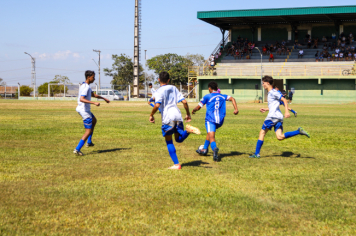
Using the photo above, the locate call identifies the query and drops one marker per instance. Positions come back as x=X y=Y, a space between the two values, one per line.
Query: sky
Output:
x=61 y=35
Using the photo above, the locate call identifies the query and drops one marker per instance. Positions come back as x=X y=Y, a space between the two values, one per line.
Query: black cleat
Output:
x=216 y=155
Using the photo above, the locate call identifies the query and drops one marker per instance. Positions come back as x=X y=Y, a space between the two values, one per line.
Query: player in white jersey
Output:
x=83 y=108
x=274 y=117
x=167 y=97
x=152 y=99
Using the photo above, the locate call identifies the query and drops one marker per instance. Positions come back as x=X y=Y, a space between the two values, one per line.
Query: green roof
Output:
x=278 y=12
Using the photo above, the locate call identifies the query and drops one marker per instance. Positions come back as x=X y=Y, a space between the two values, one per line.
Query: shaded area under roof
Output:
x=226 y=19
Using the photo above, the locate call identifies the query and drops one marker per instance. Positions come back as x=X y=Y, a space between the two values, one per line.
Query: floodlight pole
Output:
x=98 y=51
x=33 y=73
x=261 y=73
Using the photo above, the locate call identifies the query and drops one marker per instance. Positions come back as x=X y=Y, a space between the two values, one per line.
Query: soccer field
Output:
x=300 y=186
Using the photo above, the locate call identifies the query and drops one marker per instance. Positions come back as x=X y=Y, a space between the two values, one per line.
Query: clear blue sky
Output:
x=62 y=34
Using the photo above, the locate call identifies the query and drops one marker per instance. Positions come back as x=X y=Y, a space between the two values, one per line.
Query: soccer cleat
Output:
x=175 y=167
x=216 y=155
x=303 y=132
x=202 y=152
x=255 y=156
x=192 y=129
x=78 y=153
x=90 y=145
x=295 y=114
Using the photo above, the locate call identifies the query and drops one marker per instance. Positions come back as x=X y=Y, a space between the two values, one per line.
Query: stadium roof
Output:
x=225 y=19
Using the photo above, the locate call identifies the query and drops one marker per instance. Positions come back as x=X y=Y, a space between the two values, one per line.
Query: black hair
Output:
x=89 y=73
x=164 y=77
x=268 y=79
x=213 y=85
x=150 y=84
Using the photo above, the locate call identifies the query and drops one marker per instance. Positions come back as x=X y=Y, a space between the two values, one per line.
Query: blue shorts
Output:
x=211 y=127
x=173 y=127
x=151 y=100
x=268 y=124
x=88 y=122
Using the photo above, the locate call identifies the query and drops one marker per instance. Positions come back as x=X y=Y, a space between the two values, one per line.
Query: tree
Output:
x=54 y=89
x=122 y=71
x=25 y=90
x=2 y=82
x=175 y=65
x=195 y=59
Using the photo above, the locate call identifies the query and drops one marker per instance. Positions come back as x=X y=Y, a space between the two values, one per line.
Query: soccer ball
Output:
x=201 y=147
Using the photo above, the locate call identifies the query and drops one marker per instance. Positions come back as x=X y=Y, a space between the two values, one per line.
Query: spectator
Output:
x=287 y=50
x=290 y=96
x=336 y=56
x=349 y=56
x=351 y=38
x=333 y=46
x=309 y=43
x=212 y=62
x=341 y=56
x=343 y=44
x=337 y=50
x=354 y=56
x=307 y=37
x=283 y=50
x=264 y=50
x=271 y=57
x=317 y=56
x=237 y=54
x=324 y=39
x=328 y=56
x=322 y=55
x=339 y=42
x=316 y=43
x=279 y=51
x=333 y=57
x=301 y=53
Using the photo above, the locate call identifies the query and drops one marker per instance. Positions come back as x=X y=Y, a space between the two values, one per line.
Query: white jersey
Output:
x=84 y=91
x=274 y=114
x=169 y=96
x=153 y=91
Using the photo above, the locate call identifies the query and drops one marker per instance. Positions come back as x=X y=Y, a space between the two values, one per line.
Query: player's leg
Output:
x=293 y=111
x=180 y=134
x=213 y=145
x=89 y=141
x=172 y=153
x=267 y=125
x=88 y=130
x=280 y=136
x=205 y=150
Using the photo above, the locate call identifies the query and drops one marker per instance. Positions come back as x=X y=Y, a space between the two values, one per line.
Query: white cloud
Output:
x=60 y=55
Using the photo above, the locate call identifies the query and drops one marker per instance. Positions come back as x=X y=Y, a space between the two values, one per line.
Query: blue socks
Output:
x=292 y=111
x=206 y=144
x=89 y=138
x=152 y=105
x=80 y=145
x=213 y=145
x=172 y=152
x=291 y=134
x=258 y=147
x=182 y=137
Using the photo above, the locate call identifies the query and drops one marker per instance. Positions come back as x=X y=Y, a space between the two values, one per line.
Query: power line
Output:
x=16 y=69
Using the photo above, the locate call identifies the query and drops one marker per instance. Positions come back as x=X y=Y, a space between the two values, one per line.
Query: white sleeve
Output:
x=179 y=96
x=158 y=97
x=84 y=92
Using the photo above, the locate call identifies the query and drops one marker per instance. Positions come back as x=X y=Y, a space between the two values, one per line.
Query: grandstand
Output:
x=324 y=28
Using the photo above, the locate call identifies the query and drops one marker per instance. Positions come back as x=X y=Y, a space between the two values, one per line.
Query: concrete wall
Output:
x=313 y=91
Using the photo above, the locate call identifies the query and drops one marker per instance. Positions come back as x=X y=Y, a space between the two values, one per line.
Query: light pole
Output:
x=98 y=51
x=33 y=73
x=145 y=80
x=261 y=73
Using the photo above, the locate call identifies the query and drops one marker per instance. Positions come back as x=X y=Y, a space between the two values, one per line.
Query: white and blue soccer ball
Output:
x=201 y=147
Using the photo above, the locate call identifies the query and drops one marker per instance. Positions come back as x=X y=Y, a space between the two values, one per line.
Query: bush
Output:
x=25 y=90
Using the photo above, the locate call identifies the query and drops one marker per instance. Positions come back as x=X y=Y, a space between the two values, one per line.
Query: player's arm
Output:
x=84 y=100
x=99 y=97
x=263 y=110
x=186 y=107
x=200 y=105
x=231 y=99
x=286 y=111
x=196 y=109
x=154 y=110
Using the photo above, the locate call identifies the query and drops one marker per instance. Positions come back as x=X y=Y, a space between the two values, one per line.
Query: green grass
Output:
x=121 y=186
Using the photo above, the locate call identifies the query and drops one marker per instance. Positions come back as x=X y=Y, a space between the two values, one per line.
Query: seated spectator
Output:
x=328 y=56
x=354 y=56
x=309 y=43
x=283 y=43
x=352 y=48
x=329 y=46
x=287 y=50
x=295 y=45
x=321 y=57
x=336 y=56
x=342 y=50
x=341 y=56
x=315 y=43
x=343 y=44
x=324 y=39
x=271 y=48
x=301 y=53
x=333 y=47
x=283 y=50
x=339 y=42
x=337 y=50
x=279 y=51
x=264 y=50
x=325 y=47
x=271 y=57
x=237 y=54
x=351 y=38
x=349 y=56
x=317 y=56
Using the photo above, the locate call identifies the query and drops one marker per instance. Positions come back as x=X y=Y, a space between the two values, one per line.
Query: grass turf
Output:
x=300 y=186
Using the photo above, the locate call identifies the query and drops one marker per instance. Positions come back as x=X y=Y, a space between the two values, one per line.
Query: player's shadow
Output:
x=292 y=155
x=196 y=164
x=223 y=155
x=110 y=150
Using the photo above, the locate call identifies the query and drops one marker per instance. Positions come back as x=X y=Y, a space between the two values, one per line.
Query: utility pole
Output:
x=137 y=44
x=145 y=78
x=98 y=51
x=33 y=74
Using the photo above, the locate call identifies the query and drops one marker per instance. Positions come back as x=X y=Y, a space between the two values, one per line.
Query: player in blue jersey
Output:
x=167 y=98
x=274 y=117
x=83 y=108
x=282 y=103
x=214 y=119
x=152 y=99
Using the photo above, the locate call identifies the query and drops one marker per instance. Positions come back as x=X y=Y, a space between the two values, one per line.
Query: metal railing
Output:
x=224 y=42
